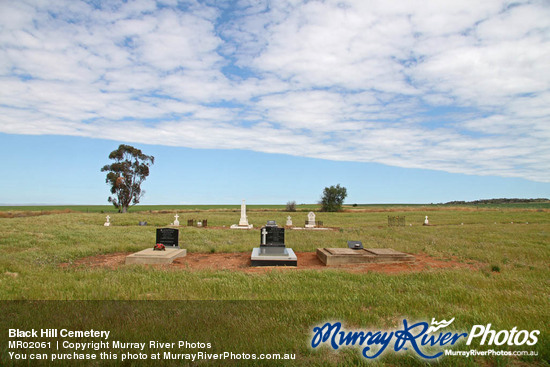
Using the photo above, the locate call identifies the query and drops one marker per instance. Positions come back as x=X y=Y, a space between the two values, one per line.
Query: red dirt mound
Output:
x=240 y=261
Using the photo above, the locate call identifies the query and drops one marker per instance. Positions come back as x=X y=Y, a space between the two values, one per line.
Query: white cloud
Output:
x=459 y=86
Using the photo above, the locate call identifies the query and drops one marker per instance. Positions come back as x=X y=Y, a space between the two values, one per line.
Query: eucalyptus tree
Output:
x=126 y=174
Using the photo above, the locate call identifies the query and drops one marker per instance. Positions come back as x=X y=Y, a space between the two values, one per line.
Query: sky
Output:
x=271 y=101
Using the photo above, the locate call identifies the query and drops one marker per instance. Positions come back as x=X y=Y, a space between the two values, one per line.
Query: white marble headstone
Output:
x=288 y=221
x=310 y=220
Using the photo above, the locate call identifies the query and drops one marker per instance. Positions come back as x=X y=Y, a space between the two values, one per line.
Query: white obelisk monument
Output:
x=243 y=222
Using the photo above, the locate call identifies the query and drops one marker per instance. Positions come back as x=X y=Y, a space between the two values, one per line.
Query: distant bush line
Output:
x=499 y=201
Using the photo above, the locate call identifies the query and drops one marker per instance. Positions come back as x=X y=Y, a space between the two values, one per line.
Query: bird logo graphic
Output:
x=439 y=325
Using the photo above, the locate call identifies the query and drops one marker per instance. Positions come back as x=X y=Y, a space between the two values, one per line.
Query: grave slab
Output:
x=344 y=256
x=150 y=256
x=387 y=252
x=286 y=257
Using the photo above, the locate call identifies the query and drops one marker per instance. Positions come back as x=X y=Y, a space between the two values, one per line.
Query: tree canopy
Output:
x=126 y=174
x=333 y=198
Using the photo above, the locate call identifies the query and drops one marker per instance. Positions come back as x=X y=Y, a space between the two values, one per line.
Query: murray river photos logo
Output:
x=427 y=340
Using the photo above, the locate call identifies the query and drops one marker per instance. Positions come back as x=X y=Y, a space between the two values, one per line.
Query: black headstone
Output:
x=355 y=245
x=168 y=237
x=274 y=236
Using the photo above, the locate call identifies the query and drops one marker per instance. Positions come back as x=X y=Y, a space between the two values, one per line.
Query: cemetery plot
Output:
x=344 y=256
x=240 y=261
x=197 y=223
x=272 y=250
x=150 y=256
x=164 y=252
x=310 y=223
x=396 y=221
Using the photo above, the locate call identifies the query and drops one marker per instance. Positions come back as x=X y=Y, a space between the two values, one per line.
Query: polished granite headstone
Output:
x=272 y=250
x=169 y=237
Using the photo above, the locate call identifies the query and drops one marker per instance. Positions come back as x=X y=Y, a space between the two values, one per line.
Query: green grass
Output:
x=276 y=310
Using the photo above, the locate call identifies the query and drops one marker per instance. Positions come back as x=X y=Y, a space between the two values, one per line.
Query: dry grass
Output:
x=31 y=213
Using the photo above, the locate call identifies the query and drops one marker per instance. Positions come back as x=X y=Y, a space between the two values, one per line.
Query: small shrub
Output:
x=495 y=268
x=290 y=206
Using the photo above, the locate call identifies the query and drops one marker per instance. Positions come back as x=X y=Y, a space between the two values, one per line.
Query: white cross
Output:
x=108 y=219
x=264 y=233
x=176 y=216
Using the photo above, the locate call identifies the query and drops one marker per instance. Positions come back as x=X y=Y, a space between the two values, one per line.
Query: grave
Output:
x=150 y=256
x=352 y=255
x=107 y=223
x=310 y=223
x=197 y=223
x=396 y=221
x=288 y=221
x=176 y=221
x=243 y=222
x=272 y=250
x=169 y=237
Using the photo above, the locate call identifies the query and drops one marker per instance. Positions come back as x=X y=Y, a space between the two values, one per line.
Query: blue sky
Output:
x=402 y=101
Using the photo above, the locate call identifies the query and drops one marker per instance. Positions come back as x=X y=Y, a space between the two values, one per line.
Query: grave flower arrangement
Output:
x=159 y=247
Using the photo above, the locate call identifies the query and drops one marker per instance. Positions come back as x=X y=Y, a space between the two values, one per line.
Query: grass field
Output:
x=146 y=208
x=511 y=287
x=41 y=209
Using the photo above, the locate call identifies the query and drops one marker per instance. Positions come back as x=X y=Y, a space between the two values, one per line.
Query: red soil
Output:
x=240 y=261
